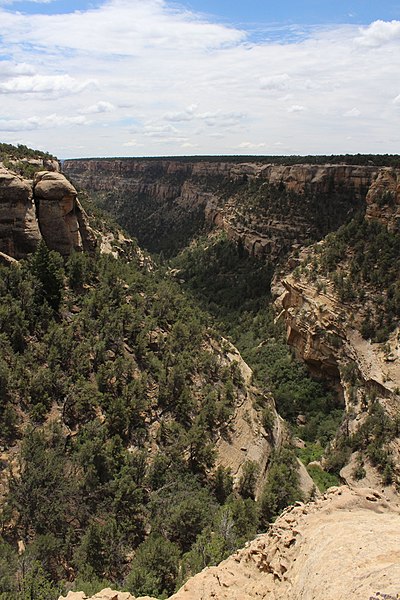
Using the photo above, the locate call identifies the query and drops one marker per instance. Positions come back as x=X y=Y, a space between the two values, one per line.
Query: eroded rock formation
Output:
x=19 y=227
x=62 y=221
x=324 y=332
x=46 y=208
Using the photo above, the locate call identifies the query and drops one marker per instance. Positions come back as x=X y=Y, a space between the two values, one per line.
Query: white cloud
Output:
x=44 y=84
x=8 y=2
x=275 y=82
x=250 y=145
x=32 y=123
x=132 y=144
x=166 y=76
x=379 y=33
x=354 y=112
x=295 y=108
x=9 y=68
x=99 y=107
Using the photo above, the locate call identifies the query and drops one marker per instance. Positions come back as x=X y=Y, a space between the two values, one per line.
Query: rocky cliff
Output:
x=46 y=208
x=268 y=208
x=343 y=546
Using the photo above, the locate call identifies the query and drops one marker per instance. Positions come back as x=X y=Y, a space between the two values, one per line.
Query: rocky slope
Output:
x=340 y=308
x=46 y=208
x=343 y=546
x=268 y=208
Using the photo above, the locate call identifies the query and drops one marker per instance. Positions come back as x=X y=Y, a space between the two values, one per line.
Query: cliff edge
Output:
x=342 y=546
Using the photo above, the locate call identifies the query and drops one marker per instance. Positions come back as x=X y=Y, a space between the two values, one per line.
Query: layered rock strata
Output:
x=324 y=332
x=47 y=208
x=268 y=208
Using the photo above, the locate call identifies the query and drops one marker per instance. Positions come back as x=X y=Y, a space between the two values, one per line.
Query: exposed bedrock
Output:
x=46 y=208
x=268 y=208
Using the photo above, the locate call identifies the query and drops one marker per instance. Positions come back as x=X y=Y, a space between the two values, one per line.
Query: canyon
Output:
x=278 y=213
x=268 y=208
x=166 y=392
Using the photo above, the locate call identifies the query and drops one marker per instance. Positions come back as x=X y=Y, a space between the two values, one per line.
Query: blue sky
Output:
x=159 y=77
x=251 y=12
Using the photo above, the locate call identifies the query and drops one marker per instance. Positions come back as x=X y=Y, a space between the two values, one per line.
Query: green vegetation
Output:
x=21 y=151
x=112 y=398
x=234 y=289
x=378 y=160
x=321 y=478
x=16 y=159
x=363 y=260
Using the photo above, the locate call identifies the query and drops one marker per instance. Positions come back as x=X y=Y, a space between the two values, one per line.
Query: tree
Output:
x=47 y=266
x=154 y=568
x=282 y=486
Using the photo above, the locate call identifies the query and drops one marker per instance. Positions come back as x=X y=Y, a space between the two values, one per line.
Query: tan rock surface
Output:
x=342 y=547
x=165 y=195
x=63 y=222
x=105 y=594
x=246 y=439
x=19 y=228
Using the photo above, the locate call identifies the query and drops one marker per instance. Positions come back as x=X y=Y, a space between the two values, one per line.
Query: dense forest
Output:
x=111 y=400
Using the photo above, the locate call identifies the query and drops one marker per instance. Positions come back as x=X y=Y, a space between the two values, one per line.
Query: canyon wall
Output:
x=268 y=208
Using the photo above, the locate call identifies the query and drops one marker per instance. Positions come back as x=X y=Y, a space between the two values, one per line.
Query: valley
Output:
x=163 y=401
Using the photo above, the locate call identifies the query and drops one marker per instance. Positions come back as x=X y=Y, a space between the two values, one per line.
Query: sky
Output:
x=163 y=78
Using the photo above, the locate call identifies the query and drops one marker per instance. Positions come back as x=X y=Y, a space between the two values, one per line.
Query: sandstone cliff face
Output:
x=19 y=228
x=324 y=332
x=62 y=221
x=46 y=208
x=344 y=545
x=383 y=199
x=268 y=208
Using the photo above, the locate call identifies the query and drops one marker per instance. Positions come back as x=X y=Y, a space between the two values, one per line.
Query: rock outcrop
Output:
x=383 y=199
x=62 y=221
x=47 y=208
x=245 y=439
x=345 y=545
x=324 y=332
x=268 y=208
x=106 y=594
x=19 y=227
x=342 y=546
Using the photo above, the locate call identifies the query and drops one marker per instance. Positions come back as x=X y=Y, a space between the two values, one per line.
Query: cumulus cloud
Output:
x=32 y=123
x=275 y=82
x=168 y=76
x=250 y=145
x=44 y=84
x=9 y=68
x=295 y=108
x=99 y=107
x=379 y=33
